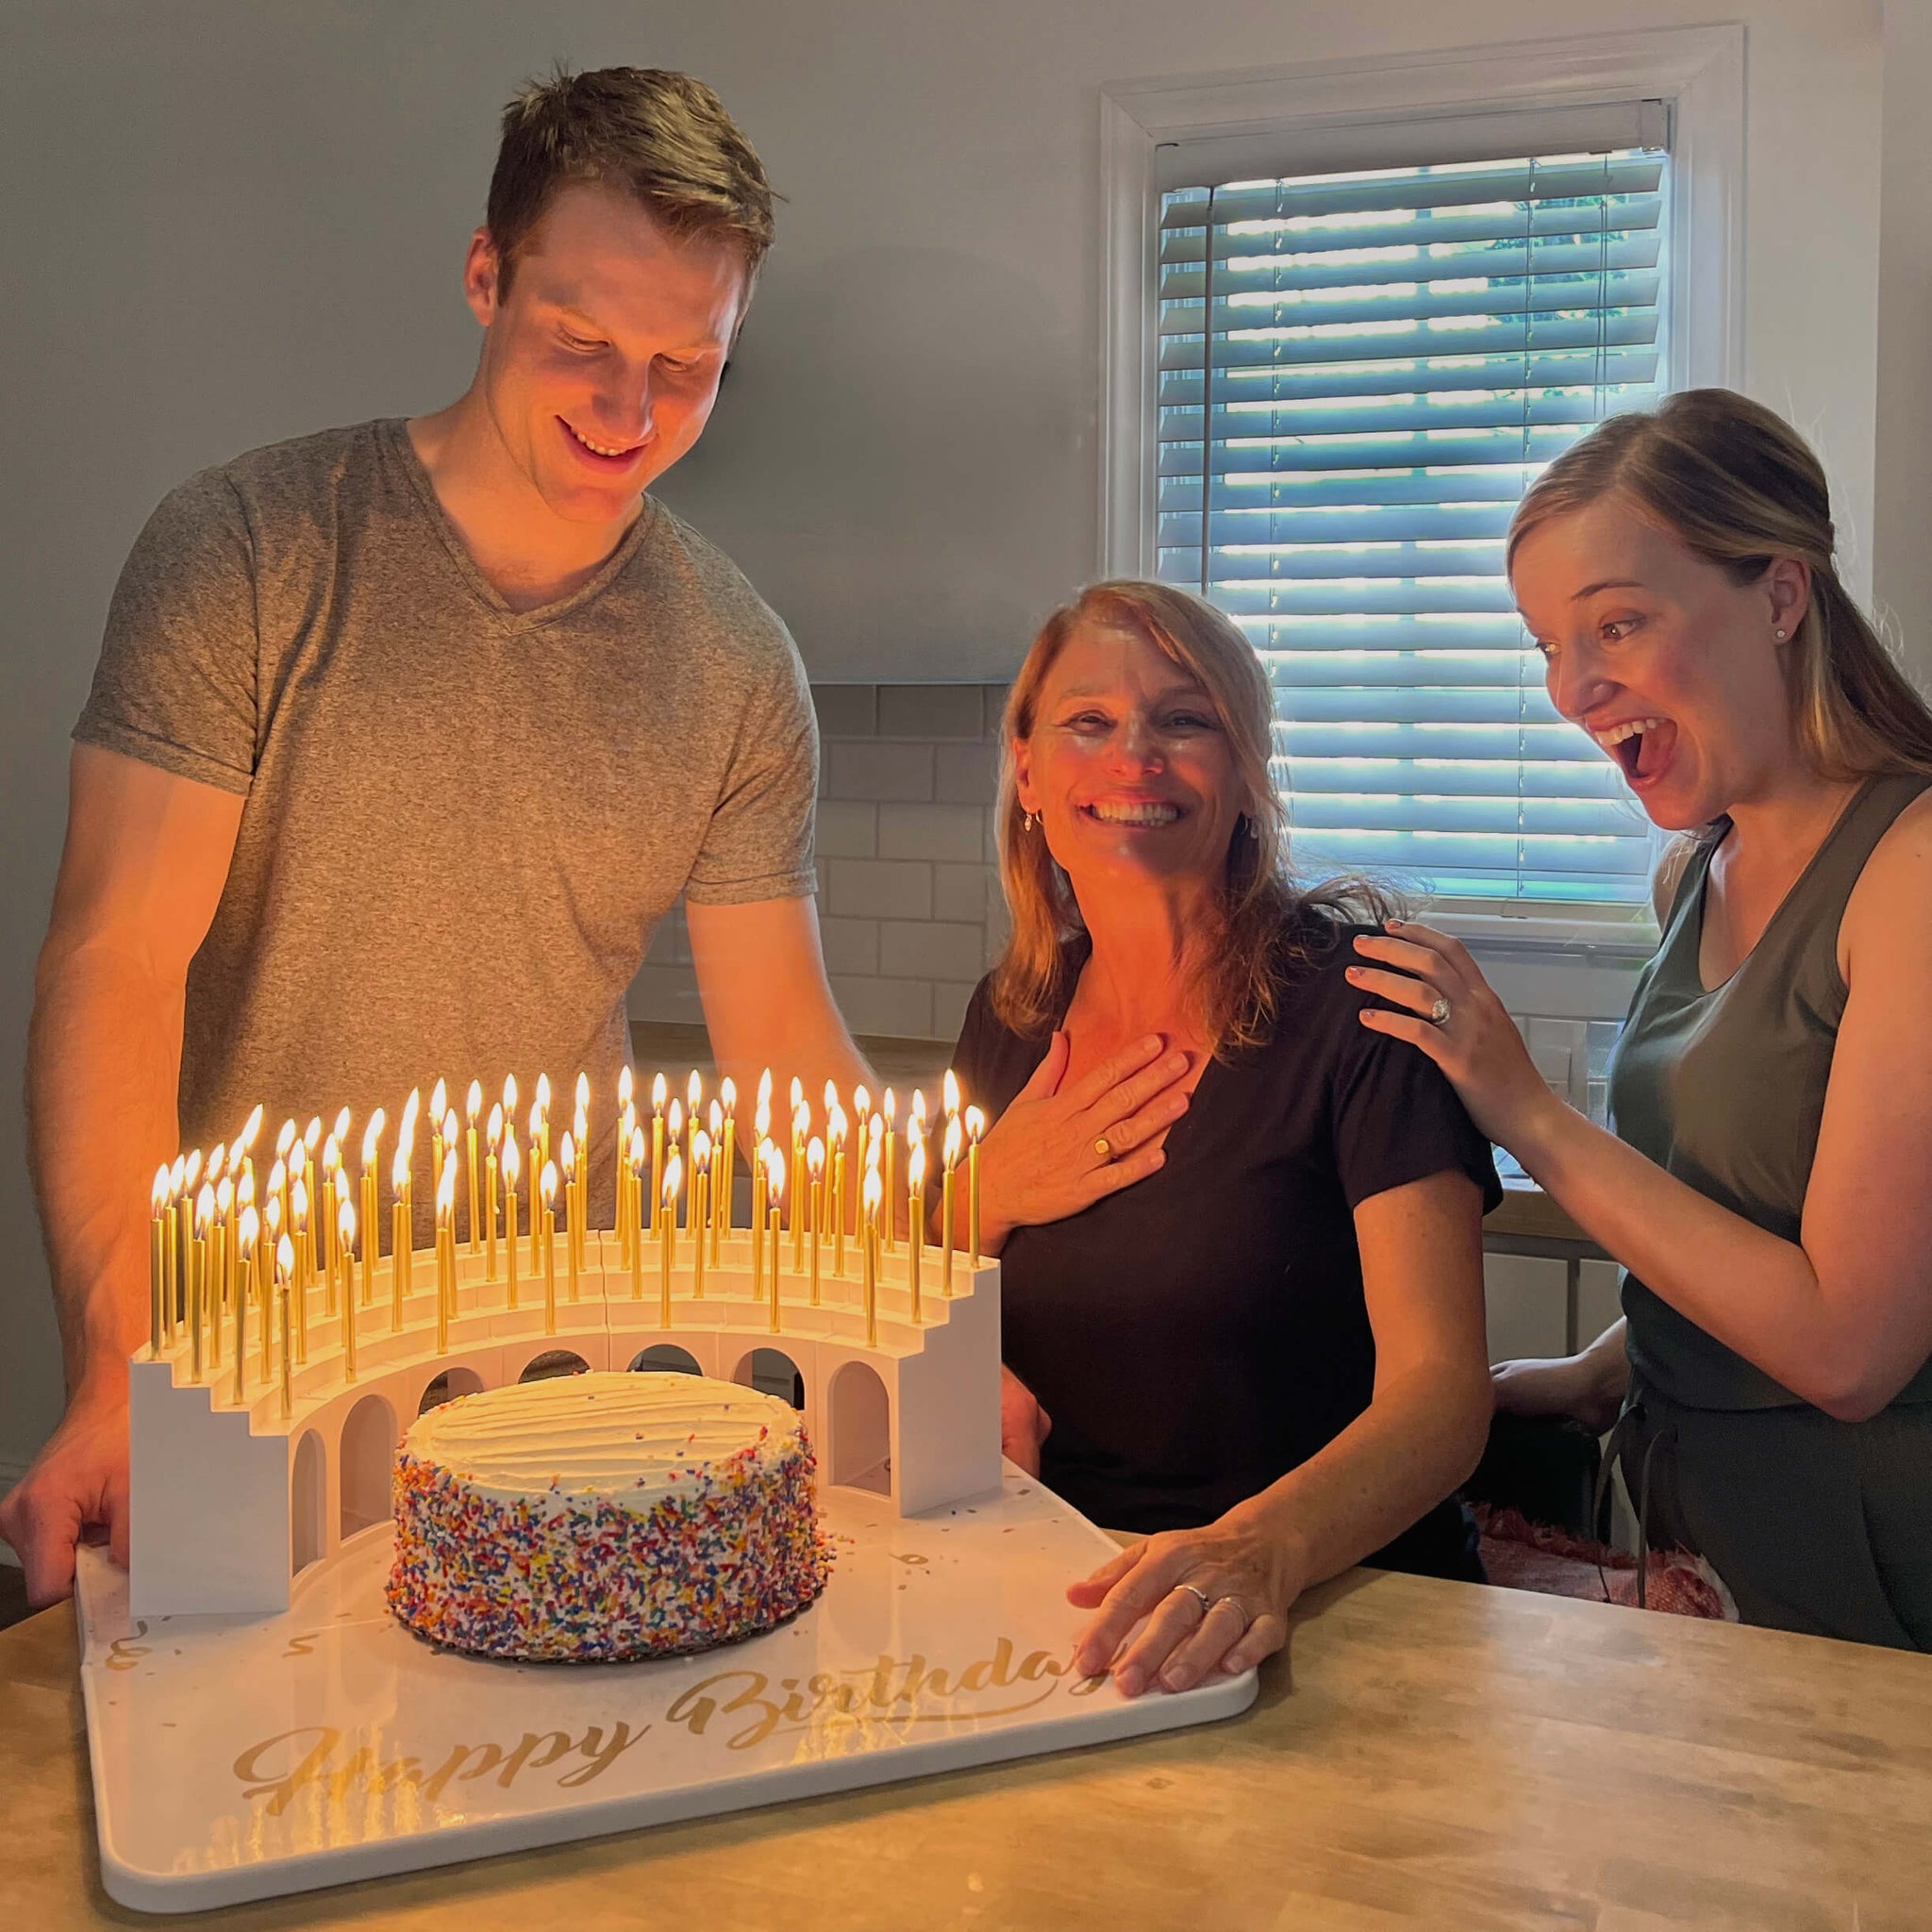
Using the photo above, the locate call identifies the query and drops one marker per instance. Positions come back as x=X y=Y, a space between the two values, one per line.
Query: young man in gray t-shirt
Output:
x=404 y=736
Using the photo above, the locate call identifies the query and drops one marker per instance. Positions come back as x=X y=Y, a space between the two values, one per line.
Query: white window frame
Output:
x=1699 y=72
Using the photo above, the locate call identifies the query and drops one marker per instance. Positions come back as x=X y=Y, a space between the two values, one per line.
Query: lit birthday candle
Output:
x=835 y=1184
x=266 y=1253
x=172 y=1283
x=861 y=1160
x=868 y=1245
x=345 y=1248
x=494 y=1139
x=717 y=1189
x=760 y=1180
x=446 y=1252
x=657 y=1090
x=439 y=1143
x=548 y=1185
x=372 y=1241
x=915 y=1220
x=950 y=1153
x=637 y=1233
x=332 y=1159
x=695 y=1213
x=949 y=1091
x=673 y=1134
x=285 y=1273
x=221 y=1245
x=694 y=1120
x=512 y=1167
x=774 y=1185
x=156 y=1258
x=622 y=1219
x=473 y=1106
x=889 y=1111
x=667 y=1232
x=402 y=1232
x=567 y=1159
x=801 y=1132
x=540 y=1147
x=580 y=1128
x=538 y=1143
x=247 y=1234
x=285 y=1140
x=975 y=1126
x=728 y=1095
x=815 y=1182
x=197 y=1277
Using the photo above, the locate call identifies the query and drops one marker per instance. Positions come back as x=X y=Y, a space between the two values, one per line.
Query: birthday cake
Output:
x=604 y=1517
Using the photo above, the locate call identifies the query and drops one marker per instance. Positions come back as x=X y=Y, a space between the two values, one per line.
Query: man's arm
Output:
x=762 y=977
x=145 y=859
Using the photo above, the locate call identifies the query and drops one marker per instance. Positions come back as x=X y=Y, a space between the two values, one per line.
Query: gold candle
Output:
x=915 y=1222
x=197 y=1271
x=667 y=1234
x=869 y=1253
x=402 y=1229
x=217 y=1268
x=372 y=1227
x=657 y=1148
x=776 y=1189
x=266 y=1253
x=801 y=1132
x=539 y=1145
x=861 y=1166
x=345 y=1249
x=285 y=1270
x=548 y=1184
x=248 y=1233
x=714 y=1184
x=440 y=1147
x=512 y=1167
x=727 y=1094
x=815 y=1182
x=636 y=1234
x=838 y=1195
x=298 y=1227
x=975 y=1126
x=156 y=1258
x=570 y=1194
x=760 y=1180
x=889 y=1111
x=950 y=1153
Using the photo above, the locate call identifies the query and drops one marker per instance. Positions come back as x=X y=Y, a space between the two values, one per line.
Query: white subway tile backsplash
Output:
x=967 y=773
x=850 y=945
x=901 y=1008
x=934 y=831
x=928 y=949
x=879 y=771
x=846 y=710
x=878 y=889
x=930 y=711
x=959 y=893
x=846 y=829
x=949 y=1011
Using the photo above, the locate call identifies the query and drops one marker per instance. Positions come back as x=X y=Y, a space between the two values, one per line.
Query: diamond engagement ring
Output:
x=1438 y=1013
x=1195 y=1590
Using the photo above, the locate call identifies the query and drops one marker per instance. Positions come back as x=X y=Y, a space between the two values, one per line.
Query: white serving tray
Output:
x=246 y=1757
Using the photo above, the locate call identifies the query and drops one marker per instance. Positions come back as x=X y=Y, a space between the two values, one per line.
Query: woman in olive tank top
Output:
x=1767 y=1183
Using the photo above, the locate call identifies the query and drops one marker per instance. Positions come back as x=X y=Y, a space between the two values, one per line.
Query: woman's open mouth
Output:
x=1643 y=746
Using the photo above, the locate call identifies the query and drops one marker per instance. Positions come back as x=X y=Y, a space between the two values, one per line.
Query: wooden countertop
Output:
x=1425 y=1753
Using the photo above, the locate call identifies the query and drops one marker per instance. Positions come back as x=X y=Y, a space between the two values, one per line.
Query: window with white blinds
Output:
x=1360 y=374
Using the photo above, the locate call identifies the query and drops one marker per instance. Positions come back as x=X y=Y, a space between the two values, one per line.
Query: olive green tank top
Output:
x=1725 y=1088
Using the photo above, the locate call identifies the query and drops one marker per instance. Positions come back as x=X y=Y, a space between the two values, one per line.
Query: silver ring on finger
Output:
x=1247 y=1615
x=1194 y=1590
x=1438 y=1013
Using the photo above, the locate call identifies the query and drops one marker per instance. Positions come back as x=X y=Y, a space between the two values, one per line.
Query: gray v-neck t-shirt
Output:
x=461 y=822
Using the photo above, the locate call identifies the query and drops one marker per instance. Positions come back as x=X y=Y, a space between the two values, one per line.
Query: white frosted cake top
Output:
x=629 y=1439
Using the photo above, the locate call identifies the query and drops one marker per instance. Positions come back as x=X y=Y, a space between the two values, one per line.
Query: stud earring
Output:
x=1778 y=635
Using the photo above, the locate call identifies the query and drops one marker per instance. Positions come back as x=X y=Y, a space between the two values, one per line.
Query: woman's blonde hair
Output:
x=1259 y=932
x=1739 y=487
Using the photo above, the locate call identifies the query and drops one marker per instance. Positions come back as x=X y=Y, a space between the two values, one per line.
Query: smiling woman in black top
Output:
x=1239 y=1234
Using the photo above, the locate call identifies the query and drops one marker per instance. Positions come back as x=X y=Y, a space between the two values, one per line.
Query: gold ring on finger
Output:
x=1247 y=1616
x=1104 y=1147
x=1195 y=1590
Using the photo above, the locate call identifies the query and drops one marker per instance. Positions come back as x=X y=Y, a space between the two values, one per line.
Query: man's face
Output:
x=602 y=363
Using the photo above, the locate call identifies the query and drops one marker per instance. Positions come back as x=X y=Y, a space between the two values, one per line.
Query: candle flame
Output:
x=495 y=1128
x=371 y=1135
x=727 y=1092
x=861 y=1103
x=765 y=1087
x=567 y=1156
x=954 y=1140
x=248 y=1232
x=438 y=1101
x=285 y=1260
x=253 y=1127
x=657 y=1091
x=761 y=1121
x=715 y=1120
x=298 y=1205
x=345 y=1225
x=673 y=1178
x=447 y=1195
x=547 y=1183
x=637 y=1150
x=311 y=1134
x=975 y=1124
x=675 y=1119
x=626 y=1085
x=510 y=1096
x=831 y=1097
x=695 y=1091
x=797 y=1094
x=915 y=1167
x=875 y=1133
x=815 y=1158
x=837 y=1126
x=874 y=1192
x=801 y=1120
x=331 y=1156
x=272 y=1216
x=285 y=1140
x=700 y=1152
x=277 y=1178
x=158 y=1195
x=191 y=1173
x=544 y=1092
x=774 y=1177
x=536 y=1121
x=890 y=1109
x=342 y=1130
x=412 y=1107
x=244 y=1194
x=204 y=1208
x=177 y=1177
x=512 y=1161
x=919 y=1105
x=224 y=1197
x=399 y=1169
x=216 y=1161
x=580 y=1125
x=449 y=1128
x=950 y=1087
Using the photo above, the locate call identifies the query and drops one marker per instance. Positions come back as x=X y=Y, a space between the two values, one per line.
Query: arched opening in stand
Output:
x=447 y=1386
x=368 y=1457
x=308 y=1502
x=859 y=1422
x=666 y=1357
x=554 y=1361
x=771 y=1371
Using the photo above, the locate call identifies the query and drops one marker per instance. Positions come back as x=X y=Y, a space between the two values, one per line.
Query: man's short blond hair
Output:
x=662 y=135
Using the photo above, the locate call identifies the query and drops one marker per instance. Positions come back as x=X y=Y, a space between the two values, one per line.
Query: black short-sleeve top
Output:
x=1198 y=1334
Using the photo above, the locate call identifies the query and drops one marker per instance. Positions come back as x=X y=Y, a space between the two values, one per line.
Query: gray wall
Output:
x=227 y=223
